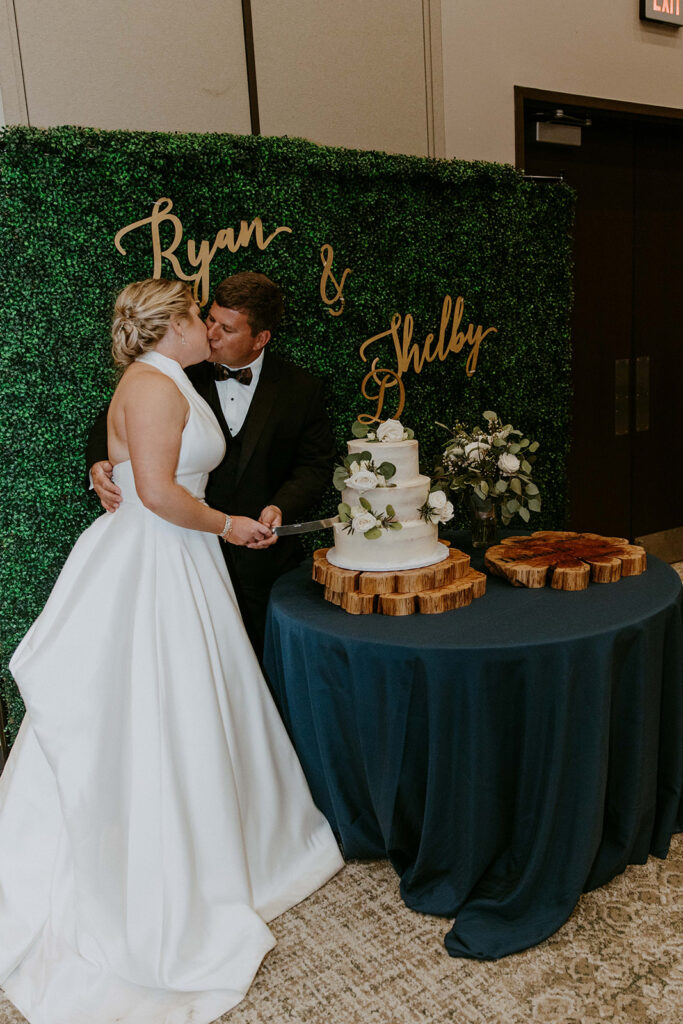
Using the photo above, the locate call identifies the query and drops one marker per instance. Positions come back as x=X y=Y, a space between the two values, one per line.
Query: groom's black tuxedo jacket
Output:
x=283 y=455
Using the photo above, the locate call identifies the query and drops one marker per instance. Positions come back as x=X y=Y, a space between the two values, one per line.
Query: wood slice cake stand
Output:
x=567 y=561
x=434 y=588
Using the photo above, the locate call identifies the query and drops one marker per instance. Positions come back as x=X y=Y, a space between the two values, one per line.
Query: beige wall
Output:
x=347 y=73
x=138 y=64
x=359 y=73
x=588 y=47
x=341 y=72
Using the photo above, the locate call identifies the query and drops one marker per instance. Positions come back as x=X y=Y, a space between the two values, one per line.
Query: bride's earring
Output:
x=182 y=337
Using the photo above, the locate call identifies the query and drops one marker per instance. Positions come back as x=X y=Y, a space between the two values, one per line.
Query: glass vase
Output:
x=484 y=524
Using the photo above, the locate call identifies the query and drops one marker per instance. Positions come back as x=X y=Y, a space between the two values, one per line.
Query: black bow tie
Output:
x=242 y=376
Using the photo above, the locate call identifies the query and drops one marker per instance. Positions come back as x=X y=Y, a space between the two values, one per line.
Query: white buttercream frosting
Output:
x=416 y=544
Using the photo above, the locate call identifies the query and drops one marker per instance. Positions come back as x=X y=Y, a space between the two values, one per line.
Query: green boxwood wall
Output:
x=410 y=229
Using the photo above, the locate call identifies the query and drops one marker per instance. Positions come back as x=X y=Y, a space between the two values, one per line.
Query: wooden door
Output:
x=601 y=172
x=625 y=475
x=657 y=446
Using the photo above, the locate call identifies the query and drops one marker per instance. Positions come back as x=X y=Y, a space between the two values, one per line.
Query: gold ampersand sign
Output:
x=326 y=257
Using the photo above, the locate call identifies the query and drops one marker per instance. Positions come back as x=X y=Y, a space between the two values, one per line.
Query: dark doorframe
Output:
x=563 y=100
x=625 y=310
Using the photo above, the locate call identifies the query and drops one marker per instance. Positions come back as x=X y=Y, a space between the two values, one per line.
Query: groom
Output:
x=280 y=448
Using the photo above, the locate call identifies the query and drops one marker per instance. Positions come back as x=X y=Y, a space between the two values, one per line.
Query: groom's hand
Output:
x=271 y=517
x=105 y=489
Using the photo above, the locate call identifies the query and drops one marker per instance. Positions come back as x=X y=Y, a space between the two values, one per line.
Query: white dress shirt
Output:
x=236 y=398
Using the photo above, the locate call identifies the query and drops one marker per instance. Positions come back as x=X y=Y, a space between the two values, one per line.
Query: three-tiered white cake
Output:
x=389 y=520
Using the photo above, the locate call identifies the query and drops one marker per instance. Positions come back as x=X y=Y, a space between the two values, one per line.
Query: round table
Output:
x=506 y=756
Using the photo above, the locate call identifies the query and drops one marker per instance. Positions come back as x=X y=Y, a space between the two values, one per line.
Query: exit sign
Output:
x=670 y=11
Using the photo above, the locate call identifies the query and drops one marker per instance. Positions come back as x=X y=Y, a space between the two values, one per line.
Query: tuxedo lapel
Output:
x=206 y=386
x=259 y=410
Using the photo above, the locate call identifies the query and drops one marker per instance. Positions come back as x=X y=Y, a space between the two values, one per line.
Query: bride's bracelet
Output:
x=227 y=528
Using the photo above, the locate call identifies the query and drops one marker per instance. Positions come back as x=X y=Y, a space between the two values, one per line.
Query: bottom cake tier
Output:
x=412 y=547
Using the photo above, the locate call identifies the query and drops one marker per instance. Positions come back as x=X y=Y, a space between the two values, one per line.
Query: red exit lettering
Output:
x=667 y=6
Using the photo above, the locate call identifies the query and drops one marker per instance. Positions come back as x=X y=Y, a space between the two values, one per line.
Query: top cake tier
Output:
x=401 y=454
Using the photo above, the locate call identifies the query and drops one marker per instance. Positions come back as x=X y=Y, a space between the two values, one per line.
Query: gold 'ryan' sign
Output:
x=197 y=256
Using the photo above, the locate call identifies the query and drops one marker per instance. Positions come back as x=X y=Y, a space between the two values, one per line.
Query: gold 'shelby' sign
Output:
x=409 y=355
x=407 y=352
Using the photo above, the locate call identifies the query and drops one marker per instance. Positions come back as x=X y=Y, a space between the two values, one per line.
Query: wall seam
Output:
x=19 y=80
x=433 y=64
x=250 y=56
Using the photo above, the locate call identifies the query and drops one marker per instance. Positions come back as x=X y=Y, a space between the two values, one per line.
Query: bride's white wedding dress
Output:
x=153 y=813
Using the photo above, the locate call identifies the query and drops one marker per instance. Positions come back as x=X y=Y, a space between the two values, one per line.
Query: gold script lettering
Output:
x=160 y=213
x=385 y=379
x=199 y=257
x=326 y=257
x=407 y=351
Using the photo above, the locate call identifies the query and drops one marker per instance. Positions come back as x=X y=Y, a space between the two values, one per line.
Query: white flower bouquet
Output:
x=492 y=466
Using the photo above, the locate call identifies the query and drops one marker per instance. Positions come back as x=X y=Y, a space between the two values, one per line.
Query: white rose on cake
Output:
x=438 y=500
x=442 y=510
x=362 y=520
x=362 y=480
x=508 y=463
x=390 y=430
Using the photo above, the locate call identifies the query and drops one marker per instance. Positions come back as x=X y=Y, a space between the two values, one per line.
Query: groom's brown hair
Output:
x=255 y=295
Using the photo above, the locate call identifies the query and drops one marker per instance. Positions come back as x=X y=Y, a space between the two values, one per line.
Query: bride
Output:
x=153 y=814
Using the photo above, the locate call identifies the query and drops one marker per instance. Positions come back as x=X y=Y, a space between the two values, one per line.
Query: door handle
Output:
x=622 y=373
x=642 y=393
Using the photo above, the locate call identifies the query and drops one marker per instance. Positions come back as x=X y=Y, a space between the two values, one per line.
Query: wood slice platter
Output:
x=432 y=589
x=566 y=561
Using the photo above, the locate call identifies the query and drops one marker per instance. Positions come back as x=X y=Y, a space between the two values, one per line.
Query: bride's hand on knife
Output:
x=248 y=532
x=271 y=516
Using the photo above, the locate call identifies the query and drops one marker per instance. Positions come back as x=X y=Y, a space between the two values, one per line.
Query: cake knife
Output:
x=314 y=524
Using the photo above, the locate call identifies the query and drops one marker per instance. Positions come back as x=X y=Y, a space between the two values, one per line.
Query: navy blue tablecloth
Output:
x=506 y=756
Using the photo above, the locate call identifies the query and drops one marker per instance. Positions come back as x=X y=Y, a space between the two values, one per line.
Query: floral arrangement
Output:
x=492 y=465
x=361 y=518
x=361 y=473
x=389 y=430
x=437 y=508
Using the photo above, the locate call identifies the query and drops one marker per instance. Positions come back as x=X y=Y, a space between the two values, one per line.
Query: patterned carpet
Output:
x=354 y=954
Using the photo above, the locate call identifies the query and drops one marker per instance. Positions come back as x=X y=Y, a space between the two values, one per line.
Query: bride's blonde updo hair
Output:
x=143 y=313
